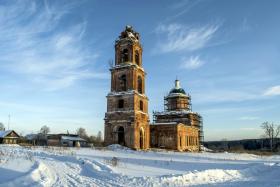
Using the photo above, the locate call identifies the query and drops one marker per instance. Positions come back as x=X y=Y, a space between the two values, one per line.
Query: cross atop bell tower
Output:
x=127 y=119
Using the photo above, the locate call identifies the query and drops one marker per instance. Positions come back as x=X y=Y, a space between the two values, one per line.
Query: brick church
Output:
x=127 y=120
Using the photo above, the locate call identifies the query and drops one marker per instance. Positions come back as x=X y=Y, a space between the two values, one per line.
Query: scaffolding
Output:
x=177 y=102
x=178 y=108
x=185 y=117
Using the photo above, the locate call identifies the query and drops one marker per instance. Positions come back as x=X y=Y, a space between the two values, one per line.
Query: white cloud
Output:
x=272 y=91
x=33 y=44
x=176 y=37
x=192 y=62
x=249 y=118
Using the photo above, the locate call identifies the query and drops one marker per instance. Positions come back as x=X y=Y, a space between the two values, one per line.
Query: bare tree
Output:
x=271 y=131
x=82 y=133
x=2 y=127
x=45 y=130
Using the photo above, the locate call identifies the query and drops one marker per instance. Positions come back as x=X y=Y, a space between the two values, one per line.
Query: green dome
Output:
x=177 y=91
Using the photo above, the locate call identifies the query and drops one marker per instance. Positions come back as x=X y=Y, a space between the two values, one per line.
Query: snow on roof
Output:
x=5 y=133
x=72 y=138
x=177 y=95
x=125 y=93
x=127 y=64
x=166 y=123
x=121 y=93
x=176 y=112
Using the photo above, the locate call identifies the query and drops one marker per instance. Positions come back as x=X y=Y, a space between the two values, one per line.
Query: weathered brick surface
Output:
x=133 y=117
x=127 y=120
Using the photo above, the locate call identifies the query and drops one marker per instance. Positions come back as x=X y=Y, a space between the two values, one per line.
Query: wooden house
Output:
x=8 y=137
x=66 y=140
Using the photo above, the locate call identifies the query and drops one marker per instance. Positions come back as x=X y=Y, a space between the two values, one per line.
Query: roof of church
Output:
x=177 y=89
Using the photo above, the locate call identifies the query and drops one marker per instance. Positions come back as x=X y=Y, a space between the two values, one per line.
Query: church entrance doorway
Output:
x=121 y=135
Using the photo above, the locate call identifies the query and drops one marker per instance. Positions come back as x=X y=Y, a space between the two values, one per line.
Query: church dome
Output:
x=177 y=89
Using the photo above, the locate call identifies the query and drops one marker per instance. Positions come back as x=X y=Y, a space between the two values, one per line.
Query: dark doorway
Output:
x=121 y=136
x=141 y=139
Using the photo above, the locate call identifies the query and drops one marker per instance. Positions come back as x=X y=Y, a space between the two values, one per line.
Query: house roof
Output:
x=3 y=134
x=177 y=89
x=72 y=138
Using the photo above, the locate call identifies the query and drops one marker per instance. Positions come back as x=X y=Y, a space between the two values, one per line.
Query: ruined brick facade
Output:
x=176 y=136
x=177 y=127
x=127 y=119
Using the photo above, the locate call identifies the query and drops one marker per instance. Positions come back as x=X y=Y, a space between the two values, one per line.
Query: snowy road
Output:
x=89 y=167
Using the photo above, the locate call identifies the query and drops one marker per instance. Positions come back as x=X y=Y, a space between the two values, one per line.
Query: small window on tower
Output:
x=141 y=105
x=137 y=60
x=123 y=83
x=139 y=85
x=121 y=103
x=124 y=55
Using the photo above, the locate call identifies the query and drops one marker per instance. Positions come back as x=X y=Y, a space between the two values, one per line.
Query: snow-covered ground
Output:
x=40 y=166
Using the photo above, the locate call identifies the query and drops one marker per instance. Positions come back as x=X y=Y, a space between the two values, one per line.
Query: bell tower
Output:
x=127 y=119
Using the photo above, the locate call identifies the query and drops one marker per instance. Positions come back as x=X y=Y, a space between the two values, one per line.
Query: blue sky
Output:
x=54 y=61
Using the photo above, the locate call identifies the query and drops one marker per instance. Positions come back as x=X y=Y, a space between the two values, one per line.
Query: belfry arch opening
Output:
x=124 y=55
x=121 y=135
x=123 y=83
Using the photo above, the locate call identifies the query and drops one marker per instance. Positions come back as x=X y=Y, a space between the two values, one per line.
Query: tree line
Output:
x=269 y=141
x=96 y=140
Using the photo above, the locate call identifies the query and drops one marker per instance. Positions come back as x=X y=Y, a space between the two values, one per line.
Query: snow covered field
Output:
x=89 y=167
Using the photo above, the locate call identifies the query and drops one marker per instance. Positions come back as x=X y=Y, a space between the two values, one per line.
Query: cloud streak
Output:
x=177 y=37
x=249 y=118
x=192 y=62
x=35 y=46
x=272 y=91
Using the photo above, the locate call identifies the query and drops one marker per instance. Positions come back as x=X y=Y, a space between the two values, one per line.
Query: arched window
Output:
x=140 y=85
x=141 y=107
x=121 y=103
x=142 y=135
x=137 y=59
x=124 y=55
x=180 y=141
x=123 y=83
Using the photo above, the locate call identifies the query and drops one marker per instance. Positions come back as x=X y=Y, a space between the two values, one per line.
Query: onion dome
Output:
x=177 y=89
